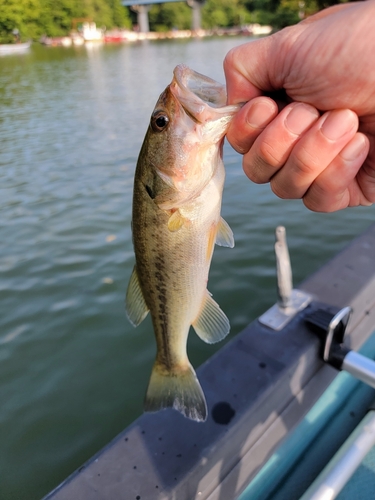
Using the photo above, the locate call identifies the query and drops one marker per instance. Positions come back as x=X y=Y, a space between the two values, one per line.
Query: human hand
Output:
x=324 y=63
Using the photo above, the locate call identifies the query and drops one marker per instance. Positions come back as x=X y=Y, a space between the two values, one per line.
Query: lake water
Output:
x=73 y=371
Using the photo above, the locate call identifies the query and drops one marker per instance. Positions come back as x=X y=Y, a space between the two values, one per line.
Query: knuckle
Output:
x=316 y=204
x=230 y=60
x=268 y=154
x=254 y=172
x=313 y=205
x=306 y=163
x=369 y=170
x=366 y=182
x=279 y=190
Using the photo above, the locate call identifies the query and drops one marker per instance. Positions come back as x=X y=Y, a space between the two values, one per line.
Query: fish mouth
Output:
x=202 y=98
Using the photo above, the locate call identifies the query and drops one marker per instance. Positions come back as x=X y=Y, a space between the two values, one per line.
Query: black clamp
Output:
x=331 y=330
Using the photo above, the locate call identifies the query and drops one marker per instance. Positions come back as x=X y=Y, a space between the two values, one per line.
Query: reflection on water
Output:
x=72 y=370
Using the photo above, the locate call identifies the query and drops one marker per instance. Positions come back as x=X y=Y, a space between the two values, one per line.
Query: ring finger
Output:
x=314 y=152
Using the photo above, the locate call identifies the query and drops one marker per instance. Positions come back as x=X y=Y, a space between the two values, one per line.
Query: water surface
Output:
x=73 y=371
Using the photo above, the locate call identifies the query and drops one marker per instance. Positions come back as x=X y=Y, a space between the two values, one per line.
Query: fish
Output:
x=176 y=221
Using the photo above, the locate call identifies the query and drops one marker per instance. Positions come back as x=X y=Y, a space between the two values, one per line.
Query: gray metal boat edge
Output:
x=341 y=468
x=258 y=387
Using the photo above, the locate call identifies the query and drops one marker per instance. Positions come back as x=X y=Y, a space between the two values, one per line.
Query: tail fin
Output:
x=176 y=389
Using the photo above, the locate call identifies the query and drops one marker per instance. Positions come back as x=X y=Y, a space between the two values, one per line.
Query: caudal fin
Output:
x=180 y=390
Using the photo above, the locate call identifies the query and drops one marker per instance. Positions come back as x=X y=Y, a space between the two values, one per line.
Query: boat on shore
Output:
x=119 y=35
x=14 y=48
x=64 y=41
x=90 y=33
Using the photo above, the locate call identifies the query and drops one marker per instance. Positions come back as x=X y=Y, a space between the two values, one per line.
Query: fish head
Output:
x=186 y=132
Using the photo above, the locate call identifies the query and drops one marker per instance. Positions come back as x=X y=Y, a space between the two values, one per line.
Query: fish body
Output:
x=176 y=222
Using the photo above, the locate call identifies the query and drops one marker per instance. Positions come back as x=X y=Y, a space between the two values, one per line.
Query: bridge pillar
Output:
x=142 y=17
x=196 y=6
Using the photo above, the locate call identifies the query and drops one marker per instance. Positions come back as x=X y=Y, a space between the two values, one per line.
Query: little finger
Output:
x=336 y=187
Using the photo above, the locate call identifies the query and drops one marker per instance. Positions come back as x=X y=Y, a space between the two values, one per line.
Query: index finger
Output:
x=246 y=72
x=249 y=122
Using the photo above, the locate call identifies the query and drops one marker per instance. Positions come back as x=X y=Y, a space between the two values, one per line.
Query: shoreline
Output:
x=122 y=36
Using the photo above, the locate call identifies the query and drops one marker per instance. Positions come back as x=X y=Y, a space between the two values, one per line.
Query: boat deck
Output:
x=260 y=389
x=305 y=453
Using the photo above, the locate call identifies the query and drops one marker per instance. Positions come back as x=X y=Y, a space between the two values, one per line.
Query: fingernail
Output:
x=354 y=149
x=260 y=113
x=338 y=123
x=300 y=117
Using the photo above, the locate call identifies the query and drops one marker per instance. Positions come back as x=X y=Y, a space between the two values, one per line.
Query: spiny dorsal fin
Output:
x=211 y=325
x=224 y=237
x=176 y=221
x=135 y=304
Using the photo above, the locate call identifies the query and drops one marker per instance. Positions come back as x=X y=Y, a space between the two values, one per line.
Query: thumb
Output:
x=246 y=70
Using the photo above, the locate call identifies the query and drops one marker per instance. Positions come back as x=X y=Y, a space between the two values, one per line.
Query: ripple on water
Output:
x=73 y=371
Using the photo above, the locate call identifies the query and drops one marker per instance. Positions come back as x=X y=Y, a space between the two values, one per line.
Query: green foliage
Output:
x=263 y=17
x=99 y=11
x=287 y=13
x=281 y=13
x=224 y=13
x=215 y=13
x=168 y=16
x=120 y=15
x=322 y=4
x=34 y=18
x=269 y=6
x=23 y=15
x=57 y=15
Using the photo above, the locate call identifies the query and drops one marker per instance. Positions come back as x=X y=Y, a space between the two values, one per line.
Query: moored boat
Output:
x=64 y=41
x=91 y=33
x=14 y=48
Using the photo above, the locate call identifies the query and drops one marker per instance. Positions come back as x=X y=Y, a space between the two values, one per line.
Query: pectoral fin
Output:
x=224 y=237
x=211 y=325
x=136 y=307
x=176 y=221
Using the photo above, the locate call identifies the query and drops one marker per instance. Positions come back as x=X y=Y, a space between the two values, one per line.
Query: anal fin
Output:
x=211 y=324
x=224 y=236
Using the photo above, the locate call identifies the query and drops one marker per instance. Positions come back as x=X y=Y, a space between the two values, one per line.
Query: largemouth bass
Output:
x=176 y=222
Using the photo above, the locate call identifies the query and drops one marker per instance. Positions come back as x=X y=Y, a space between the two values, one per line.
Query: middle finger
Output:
x=272 y=148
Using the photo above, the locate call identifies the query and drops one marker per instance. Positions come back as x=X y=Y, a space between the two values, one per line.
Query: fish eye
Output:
x=159 y=122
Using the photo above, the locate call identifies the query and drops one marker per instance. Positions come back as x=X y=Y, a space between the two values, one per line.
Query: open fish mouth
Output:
x=201 y=97
x=203 y=87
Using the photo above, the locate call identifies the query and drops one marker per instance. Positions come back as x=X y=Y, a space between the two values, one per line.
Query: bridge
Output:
x=141 y=7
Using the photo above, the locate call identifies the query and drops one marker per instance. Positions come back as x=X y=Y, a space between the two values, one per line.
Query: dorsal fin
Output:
x=136 y=307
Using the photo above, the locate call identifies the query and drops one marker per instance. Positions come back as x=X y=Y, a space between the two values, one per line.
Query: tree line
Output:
x=34 y=18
